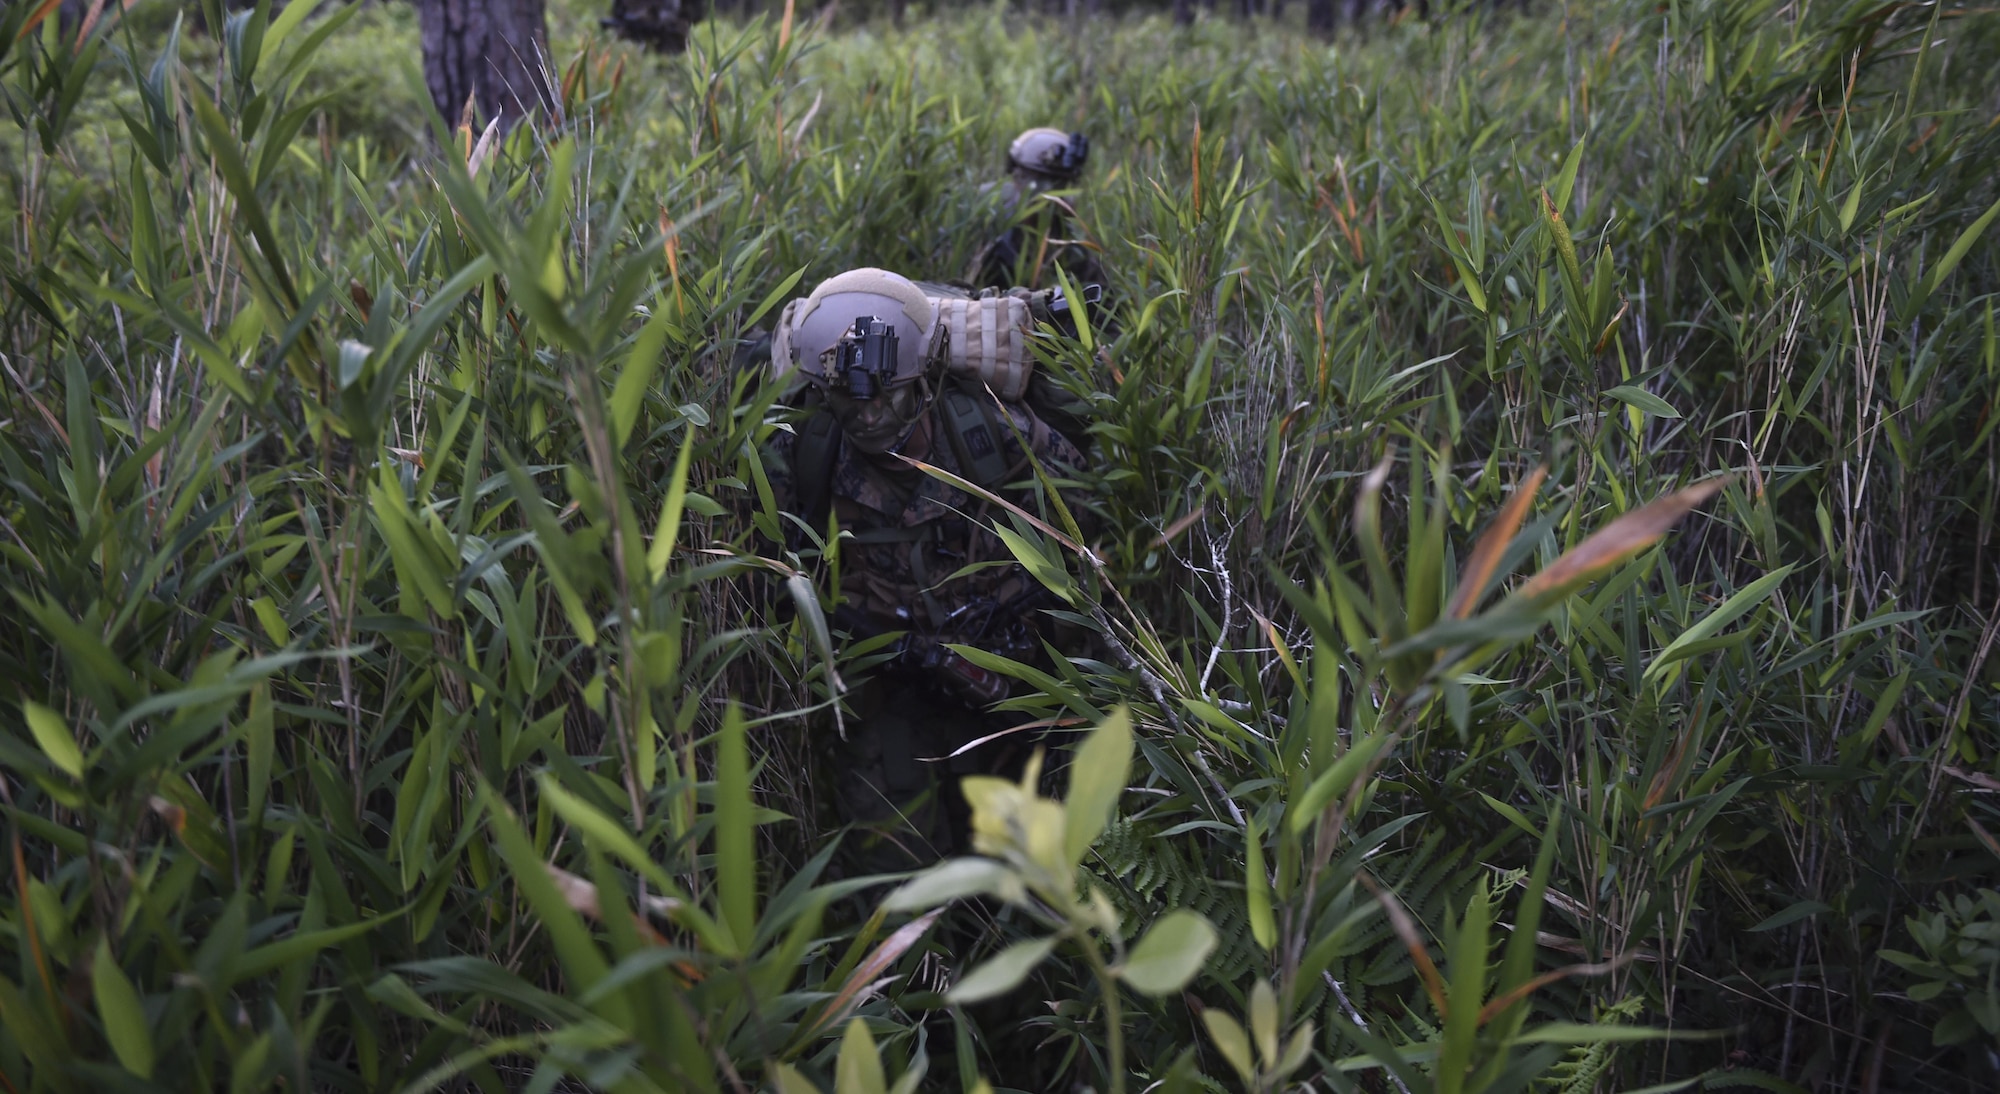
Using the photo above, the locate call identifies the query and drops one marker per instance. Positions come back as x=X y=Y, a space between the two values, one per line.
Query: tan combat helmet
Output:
x=811 y=333
x=1049 y=153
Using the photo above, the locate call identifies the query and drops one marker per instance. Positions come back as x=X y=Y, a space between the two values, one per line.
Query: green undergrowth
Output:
x=1543 y=604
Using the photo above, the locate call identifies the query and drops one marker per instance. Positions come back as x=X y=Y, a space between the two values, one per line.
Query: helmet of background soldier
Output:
x=1050 y=154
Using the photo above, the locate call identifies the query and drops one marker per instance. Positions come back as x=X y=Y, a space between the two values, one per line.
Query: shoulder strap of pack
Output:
x=973 y=439
x=812 y=465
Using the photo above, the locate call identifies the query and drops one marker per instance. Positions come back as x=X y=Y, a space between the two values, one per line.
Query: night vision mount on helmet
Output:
x=864 y=360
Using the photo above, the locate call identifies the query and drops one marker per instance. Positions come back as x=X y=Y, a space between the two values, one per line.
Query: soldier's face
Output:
x=874 y=425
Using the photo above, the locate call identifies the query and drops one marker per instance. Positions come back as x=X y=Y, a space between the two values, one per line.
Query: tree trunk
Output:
x=663 y=26
x=1183 y=11
x=484 y=59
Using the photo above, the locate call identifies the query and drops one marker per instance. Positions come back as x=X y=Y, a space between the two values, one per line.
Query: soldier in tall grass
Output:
x=894 y=381
x=1041 y=230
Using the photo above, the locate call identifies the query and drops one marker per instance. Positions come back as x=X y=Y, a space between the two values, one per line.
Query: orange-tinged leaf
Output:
x=1486 y=554
x=1176 y=528
x=35 y=20
x=1617 y=542
x=1504 y=1000
x=1406 y=930
x=174 y=815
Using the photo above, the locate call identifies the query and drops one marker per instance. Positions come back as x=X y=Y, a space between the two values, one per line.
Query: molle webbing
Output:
x=986 y=342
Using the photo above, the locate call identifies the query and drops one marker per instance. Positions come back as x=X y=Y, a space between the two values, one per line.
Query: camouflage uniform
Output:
x=912 y=534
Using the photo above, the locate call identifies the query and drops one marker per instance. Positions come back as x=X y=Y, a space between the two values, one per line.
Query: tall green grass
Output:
x=396 y=696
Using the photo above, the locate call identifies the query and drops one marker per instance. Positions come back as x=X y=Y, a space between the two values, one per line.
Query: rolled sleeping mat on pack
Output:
x=986 y=342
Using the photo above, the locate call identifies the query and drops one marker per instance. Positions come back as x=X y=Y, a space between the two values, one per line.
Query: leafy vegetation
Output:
x=1543 y=618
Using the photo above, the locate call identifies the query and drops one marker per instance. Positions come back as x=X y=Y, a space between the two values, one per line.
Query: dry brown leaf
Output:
x=866 y=976
x=1618 y=541
x=1486 y=554
x=1501 y=1002
x=35 y=20
x=1179 y=526
x=581 y=896
x=174 y=815
x=984 y=494
x=1406 y=929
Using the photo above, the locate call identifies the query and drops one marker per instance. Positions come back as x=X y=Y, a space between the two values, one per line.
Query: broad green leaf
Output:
x=1571 y=1033
x=415 y=560
x=1513 y=815
x=272 y=620
x=281 y=27
x=1170 y=954
x=1644 y=400
x=54 y=736
x=1804 y=909
x=806 y=600
x=123 y=1014
x=661 y=551
x=269 y=958
x=1468 y=990
x=859 y=1070
x=1231 y=1041
x=628 y=395
x=581 y=960
x=1096 y=780
x=1257 y=889
x=953 y=880
x=789 y=1081
x=605 y=832
x=1050 y=574
x=1566 y=178
x=1851 y=206
x=735 y=840
x=1002 y=972
x=260 y=746
x=1264 y=1021
x=777 y=294
x=1960 y=248
x=1296 y=1051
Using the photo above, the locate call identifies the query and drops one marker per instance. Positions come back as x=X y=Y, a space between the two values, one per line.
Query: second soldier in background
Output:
x=1042 y=230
